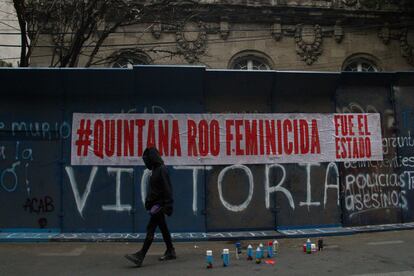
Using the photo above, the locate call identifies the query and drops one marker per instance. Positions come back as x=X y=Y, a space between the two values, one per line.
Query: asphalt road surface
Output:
x=386 y=253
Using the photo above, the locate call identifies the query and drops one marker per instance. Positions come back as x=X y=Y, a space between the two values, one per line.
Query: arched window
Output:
x=128 y=58
x=5 y=64
x=361 y=63
x=250 y=60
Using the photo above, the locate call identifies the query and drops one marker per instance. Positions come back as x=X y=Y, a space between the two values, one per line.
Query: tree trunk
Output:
x=20 y=11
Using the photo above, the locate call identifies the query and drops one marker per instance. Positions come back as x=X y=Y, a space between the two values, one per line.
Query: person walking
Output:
x=158 y=203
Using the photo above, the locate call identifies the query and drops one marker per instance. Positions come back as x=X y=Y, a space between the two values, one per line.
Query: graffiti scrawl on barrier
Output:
x=20 y=158
x=257 y=155
x=81 y=198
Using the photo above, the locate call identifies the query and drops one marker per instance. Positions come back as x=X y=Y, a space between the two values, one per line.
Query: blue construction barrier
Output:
x=39 y=189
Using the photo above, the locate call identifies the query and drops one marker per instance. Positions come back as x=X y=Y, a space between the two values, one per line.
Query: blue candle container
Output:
x=209 y=258
x=270 y=250
x=258 y=255
x=226 y=257
x=249 y=252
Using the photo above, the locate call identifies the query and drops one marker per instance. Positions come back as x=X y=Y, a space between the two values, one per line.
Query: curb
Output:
x=10 y=237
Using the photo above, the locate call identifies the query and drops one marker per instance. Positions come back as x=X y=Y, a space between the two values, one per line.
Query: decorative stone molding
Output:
x=156 y=29
x=370 y=4
x=276 y=30
x=350 y=3
x=224 y=30
x=309 y=51
x=338 y=32
x=191 y=49
x=385 y=33
x=160 y=27
x=407 y=50
x=377 y=4
x=268 y=4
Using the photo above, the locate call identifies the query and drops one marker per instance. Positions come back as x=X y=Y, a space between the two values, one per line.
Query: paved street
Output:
x=389 y=253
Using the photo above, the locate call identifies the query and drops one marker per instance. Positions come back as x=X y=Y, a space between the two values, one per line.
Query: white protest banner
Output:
x=213 y=139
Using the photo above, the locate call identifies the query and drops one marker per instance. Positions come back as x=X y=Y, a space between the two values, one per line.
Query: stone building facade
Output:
x=321 y=35
x=9 y=54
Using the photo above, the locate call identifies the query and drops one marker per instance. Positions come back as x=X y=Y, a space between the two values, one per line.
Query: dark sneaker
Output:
x=168 y=255
x=136 y=258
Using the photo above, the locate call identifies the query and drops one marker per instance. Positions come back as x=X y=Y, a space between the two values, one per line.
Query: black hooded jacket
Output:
x=160 y=190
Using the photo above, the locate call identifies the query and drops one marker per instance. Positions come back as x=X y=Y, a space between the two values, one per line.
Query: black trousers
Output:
x=157 y=220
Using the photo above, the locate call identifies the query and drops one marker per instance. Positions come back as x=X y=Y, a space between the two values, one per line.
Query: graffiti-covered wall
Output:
x=41 y=189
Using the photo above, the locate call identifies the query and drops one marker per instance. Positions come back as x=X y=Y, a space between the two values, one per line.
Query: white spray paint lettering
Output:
x=228 y=206
x=308 y=201
x=42 y=129
x=118 y=207
x=12 y=172
x=196 y=170
x=81 y=200
x=144 y=185
x=331 y=171
x=331 y=186
x=21 y=156
x=278 y=187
